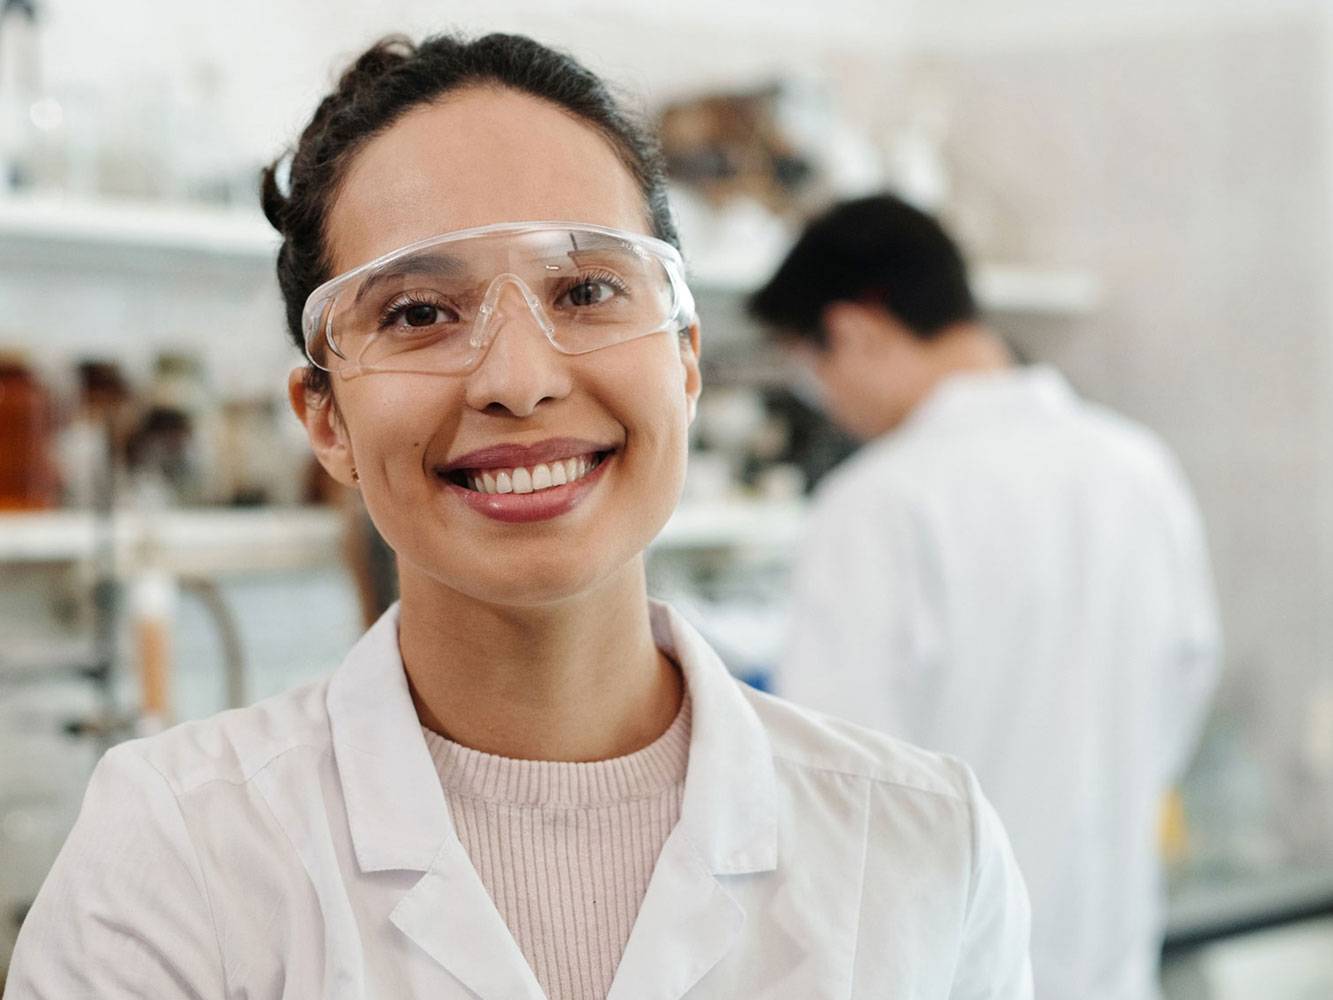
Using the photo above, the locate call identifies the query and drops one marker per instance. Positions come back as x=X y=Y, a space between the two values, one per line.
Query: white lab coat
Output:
x=1020 y=578
x=303 y=848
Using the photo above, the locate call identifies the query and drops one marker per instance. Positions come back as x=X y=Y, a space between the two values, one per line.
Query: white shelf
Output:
x=217 y=541
x=755 y=524
x=78 y=227
x=1036 y=291
x=96 y=226
x=193 y=542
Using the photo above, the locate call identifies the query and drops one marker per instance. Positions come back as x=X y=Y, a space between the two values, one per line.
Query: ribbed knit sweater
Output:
x=566 y=849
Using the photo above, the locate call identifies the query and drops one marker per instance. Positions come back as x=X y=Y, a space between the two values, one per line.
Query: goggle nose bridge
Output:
x=486 y=326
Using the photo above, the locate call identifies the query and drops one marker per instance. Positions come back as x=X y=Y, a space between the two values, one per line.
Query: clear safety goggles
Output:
x=435 y=306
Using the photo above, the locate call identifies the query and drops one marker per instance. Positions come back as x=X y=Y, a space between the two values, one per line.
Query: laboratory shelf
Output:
x=755 y=524
x=82 y=229
x=208 y=541
x=1035 y=290
x=188 y=542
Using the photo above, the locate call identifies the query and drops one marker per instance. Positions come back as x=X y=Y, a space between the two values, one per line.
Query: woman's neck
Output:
x=578 y=680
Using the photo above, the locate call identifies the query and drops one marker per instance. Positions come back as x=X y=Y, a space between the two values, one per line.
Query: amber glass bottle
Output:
x=27 y=472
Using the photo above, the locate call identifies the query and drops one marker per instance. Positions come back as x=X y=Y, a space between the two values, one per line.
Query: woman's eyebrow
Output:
x=440 y=265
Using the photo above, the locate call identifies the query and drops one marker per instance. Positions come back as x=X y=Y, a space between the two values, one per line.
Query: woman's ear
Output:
x=323 y=425
x=689 y=357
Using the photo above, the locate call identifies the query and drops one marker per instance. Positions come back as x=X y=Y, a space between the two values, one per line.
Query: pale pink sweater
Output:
x=566 y=850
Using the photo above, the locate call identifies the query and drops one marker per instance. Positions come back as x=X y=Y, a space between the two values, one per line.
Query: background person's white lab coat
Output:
x=302 y=848
x=1020 y=578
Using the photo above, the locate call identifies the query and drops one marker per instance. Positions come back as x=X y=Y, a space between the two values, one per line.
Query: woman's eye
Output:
x=590 y=293
x=418 y=315
x=421 y=315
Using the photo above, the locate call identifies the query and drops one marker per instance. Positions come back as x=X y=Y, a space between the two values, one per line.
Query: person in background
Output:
x=1004 y=572
x=526 y=780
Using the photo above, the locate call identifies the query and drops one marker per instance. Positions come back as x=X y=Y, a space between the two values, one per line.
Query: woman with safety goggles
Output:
x=526 y=780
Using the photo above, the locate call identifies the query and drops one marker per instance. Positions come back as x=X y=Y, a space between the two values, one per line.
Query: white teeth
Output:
x=530 y=480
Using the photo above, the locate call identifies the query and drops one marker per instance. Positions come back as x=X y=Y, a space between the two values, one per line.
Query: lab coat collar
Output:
x=729 y=810
x=395 y=806
x=396 y=809
x=980 y=395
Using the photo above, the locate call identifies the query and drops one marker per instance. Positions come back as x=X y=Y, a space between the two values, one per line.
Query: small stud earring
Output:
x=355 y=477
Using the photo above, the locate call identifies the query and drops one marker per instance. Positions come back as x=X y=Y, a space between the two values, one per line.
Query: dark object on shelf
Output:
x=814 y=443
x=27 y=467
x=725 y=145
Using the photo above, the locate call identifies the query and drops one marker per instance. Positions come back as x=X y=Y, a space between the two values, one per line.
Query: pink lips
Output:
x=542 y=505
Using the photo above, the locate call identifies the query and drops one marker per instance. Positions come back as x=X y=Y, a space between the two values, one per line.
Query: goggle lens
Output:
x=436 y=306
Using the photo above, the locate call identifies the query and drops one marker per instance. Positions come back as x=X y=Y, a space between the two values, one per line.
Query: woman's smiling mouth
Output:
x=531 y=479
x=515 y=483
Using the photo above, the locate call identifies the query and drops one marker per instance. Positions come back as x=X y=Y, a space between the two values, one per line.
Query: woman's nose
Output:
x=520 y=369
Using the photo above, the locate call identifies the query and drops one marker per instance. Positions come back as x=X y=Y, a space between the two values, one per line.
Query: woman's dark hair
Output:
x=391 y=78
x=878 y=249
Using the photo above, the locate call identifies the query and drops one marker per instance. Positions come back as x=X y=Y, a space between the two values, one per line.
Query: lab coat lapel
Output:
x=399 y=820
x=686 y=924
x=688 y=921
x=451 y=917
x=396 y=811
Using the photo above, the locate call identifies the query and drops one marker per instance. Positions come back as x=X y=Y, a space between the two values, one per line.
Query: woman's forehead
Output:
x=477 y=157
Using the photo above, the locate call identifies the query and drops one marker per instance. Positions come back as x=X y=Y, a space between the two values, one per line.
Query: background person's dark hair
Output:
x=878 y=249
x=391 y=78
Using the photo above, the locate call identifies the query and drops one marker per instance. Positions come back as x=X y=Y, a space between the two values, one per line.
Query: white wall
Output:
x=1190 y=167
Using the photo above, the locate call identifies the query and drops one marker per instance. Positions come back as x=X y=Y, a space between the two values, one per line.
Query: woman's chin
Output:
x=533 y=582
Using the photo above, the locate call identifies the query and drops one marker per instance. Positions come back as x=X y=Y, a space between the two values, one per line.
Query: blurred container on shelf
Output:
x=748 y=166
x=91 y=446
x=39 y=145
x=201 y=160
x=171 y=453
x=20 y=92
x=27 y=422
x=257 y=463
x=783 y=145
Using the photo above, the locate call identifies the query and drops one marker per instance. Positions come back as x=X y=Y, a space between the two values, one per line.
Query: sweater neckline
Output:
x=654 y=769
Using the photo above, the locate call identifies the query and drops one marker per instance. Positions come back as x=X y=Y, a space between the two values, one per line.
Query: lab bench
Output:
x=1208 y=907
